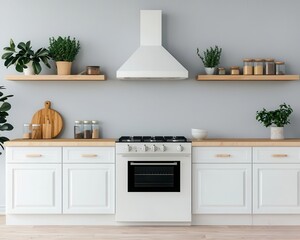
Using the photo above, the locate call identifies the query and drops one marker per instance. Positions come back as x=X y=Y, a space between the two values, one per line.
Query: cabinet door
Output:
x=33 y=188
x=222 y=188
x=276 y=188
x=89 y=188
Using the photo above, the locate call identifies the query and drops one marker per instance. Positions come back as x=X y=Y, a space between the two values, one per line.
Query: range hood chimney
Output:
x=151 y=60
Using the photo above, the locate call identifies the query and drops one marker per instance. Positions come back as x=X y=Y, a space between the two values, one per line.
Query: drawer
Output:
x=34 y=154
x=221 y=155
x=88 y=154
x=276 y=155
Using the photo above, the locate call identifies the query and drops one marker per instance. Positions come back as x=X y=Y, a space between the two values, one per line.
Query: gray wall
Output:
x=109 y=33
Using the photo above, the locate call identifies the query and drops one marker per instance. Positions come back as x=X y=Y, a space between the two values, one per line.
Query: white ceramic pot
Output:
x=210 y=71
x=29 y=70
x=277 y=133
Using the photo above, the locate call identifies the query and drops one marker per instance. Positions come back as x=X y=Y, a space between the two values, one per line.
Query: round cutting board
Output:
x=50 y=116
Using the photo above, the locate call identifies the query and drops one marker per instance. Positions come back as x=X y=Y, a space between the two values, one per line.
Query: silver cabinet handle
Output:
x=32 y=155
x=153 y=164
x=89 y=155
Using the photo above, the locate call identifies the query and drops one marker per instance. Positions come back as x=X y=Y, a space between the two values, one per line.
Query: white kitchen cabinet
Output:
x=276 y=188
x=222 y=188
x=34 y=189
x=89 y=188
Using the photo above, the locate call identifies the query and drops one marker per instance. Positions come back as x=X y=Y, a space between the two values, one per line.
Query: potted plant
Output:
x=4 y=108
x=277 y=119
x=24 y=58
x=63 y=51
x=210 y=59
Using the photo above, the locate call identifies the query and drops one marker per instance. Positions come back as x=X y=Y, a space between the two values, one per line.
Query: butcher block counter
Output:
x=106 y=142
x=246 y=142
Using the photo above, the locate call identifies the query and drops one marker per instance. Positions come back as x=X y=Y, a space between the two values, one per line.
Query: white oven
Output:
x=153 y=182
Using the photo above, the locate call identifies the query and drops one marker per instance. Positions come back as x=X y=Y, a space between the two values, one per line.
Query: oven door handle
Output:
x=154 y=164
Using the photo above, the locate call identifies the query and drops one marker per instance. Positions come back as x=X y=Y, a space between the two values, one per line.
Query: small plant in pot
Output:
x=24 y=58
x=277 y=119
x=211 y=59
x=63 y=51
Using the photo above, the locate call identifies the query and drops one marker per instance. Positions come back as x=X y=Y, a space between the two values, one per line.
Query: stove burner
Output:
x=152 y=139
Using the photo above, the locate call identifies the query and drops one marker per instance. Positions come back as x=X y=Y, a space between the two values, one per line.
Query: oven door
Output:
x=153 y=176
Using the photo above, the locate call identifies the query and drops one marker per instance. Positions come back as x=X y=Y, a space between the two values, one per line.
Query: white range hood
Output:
x=151 y=60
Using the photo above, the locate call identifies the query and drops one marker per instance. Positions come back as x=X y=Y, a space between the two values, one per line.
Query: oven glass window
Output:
x=153 y=176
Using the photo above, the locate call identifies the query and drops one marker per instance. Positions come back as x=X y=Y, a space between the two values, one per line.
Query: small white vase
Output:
x=29 y=70
x=277 y=133
x=210 y=71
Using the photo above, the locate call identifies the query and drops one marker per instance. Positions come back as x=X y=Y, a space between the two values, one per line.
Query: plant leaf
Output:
x=5 y=107
x=6 y=127
x=7 y=55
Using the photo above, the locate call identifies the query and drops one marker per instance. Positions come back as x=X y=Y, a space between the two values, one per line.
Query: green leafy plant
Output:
x=63 y=49
x=23 y=55
x=278 y=117
x=211 y=57
x=4 y=108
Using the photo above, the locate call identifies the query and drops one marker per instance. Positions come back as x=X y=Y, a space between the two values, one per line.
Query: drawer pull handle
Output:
x=33 y=155
x=89 y=155
x=223 y=155
x=279 y=155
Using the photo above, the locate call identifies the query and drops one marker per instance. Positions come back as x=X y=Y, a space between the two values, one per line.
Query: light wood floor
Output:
x=147 y=233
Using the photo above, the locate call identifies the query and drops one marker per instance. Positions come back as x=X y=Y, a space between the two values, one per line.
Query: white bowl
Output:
x=198 y=130
x=199 y=135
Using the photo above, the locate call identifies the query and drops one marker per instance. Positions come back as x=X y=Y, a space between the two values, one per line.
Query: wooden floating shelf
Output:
x=247 y=78
x=55 y=77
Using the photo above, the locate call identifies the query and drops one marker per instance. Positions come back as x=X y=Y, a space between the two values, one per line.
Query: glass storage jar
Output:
x=78 y=129
x=235 y=70
x=270 y=66
x=280 y=68
x=27 y=130
x=259 y=66
x=87 y=129
x=95 y=129
x=248 y=66
x=36 y=131
x=221 y=71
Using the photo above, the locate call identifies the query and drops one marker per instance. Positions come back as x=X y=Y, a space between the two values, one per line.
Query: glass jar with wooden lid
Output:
x=248 y=66
x=280 y=68
x=269 y=66
x=221 y=71
x=235 y=70
x=259 y=66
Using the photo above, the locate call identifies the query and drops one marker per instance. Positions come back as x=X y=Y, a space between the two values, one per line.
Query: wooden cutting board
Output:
x=50 y=117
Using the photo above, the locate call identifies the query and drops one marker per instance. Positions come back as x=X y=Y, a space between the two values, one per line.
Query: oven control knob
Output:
x=179 y=148
x=144 y=148
x=153 y=148
x=128 y=148
x=163 y=148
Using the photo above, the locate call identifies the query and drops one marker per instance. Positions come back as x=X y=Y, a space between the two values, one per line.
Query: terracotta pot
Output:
x=63 y=68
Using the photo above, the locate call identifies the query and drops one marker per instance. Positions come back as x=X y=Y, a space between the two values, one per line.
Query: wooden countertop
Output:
x=246 y=142
x=109 y=142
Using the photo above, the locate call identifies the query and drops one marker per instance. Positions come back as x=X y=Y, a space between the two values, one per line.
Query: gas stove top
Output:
x=152 y=139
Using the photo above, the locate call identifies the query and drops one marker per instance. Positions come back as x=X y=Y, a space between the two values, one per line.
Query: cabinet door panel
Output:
x=34 y=188
x=221 y=188
x=89 y=188
x=276 y=188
